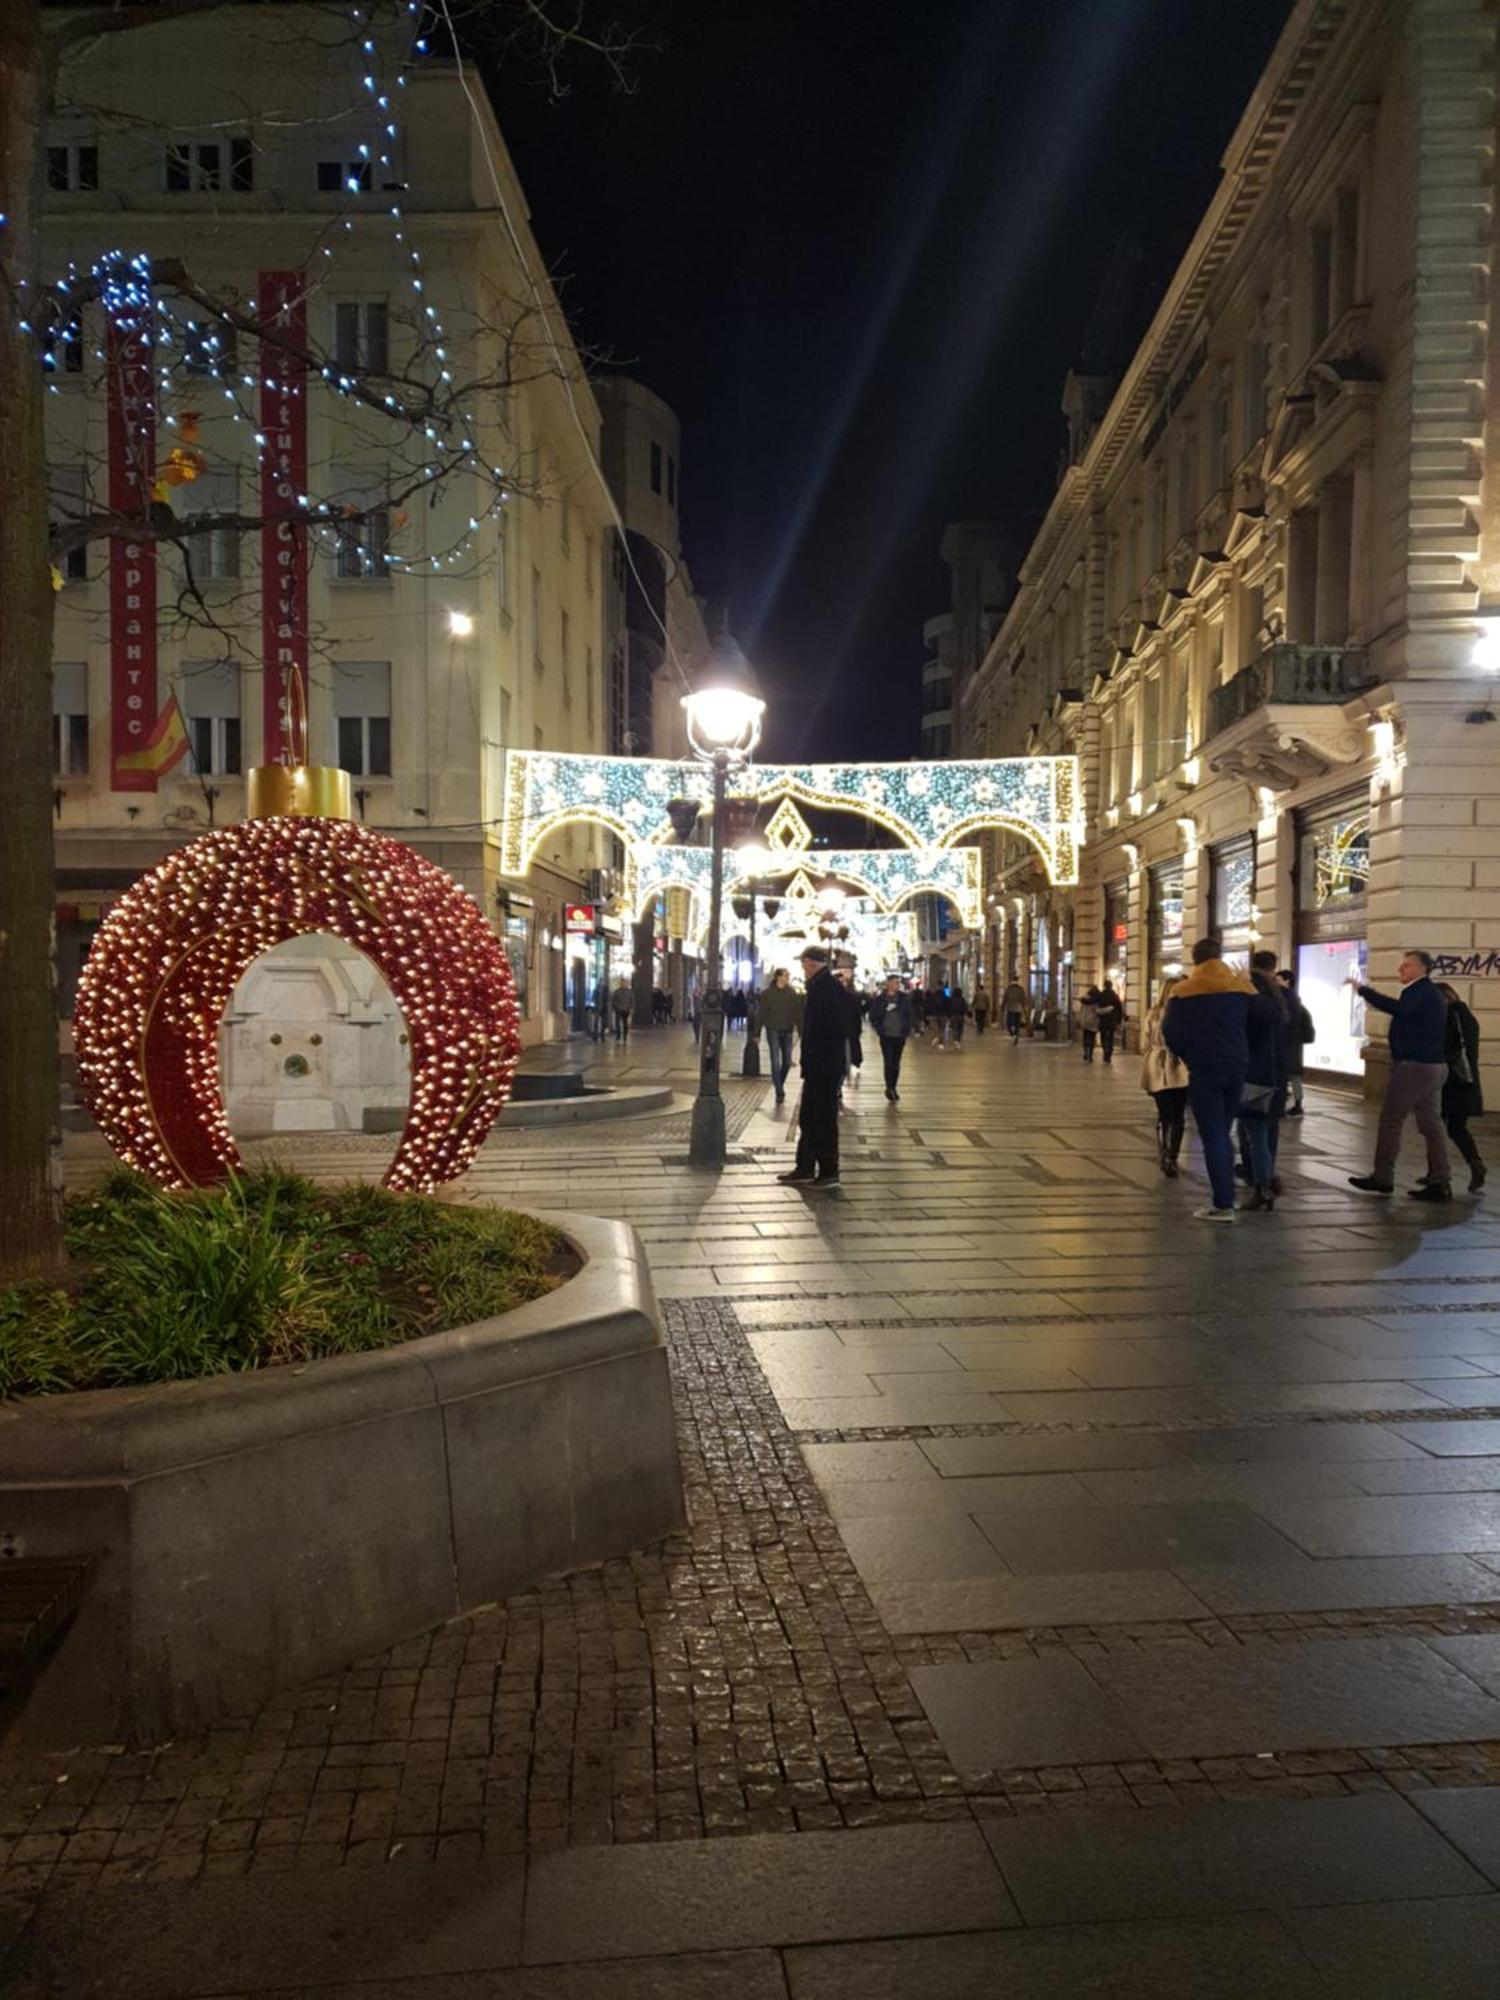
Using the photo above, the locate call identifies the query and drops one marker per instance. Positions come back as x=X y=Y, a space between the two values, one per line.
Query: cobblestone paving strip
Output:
x=735 y=1679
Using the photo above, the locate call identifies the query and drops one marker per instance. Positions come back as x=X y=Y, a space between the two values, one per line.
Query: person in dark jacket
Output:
x=1111 y=1011
x=1205 y=1025
x=935 y=1012
x=854 y=1015
x=825 y=1050
x=1463 y=1096
x=1268 y=1035
x=981 y=1009
x=781 y=1017
x=1419 y=1068
x=1303 y=1032
x=958 y=1013
x=890 y=1017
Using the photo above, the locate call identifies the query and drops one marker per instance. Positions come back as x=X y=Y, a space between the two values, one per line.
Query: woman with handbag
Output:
x=1164 y=1077
x=1463 y=1097
x=1265 y=1088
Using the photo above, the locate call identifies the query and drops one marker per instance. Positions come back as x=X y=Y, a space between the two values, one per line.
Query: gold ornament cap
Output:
x=298 y=791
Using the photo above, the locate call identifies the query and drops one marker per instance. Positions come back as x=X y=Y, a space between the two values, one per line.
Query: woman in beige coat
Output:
x=1165 y=1077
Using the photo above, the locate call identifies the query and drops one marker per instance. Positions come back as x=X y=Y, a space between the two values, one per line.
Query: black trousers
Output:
x=1171 y=1117
x=818 y=1127
x=1107 y=1042
x=891 y=1049
x=1456 y=1124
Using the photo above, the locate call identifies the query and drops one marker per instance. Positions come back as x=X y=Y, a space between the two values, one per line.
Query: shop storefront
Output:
x=1164 y=927
x=1117 y=934
x=519 y=932
x=1333 y=877
x=1231 y=897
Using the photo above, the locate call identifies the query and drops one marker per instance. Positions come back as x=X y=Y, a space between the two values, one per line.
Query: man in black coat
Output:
x=825 y=1050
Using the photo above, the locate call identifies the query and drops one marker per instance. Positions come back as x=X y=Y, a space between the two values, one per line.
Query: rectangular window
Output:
x=588 y=687
x=210 y=701
x=362 y=716
x=361 y=336
x=590 y=557
x=215 y=552
x=1255 y=371
x=209 y=347
x=73 y=169
x=565 y=640
x=345 y=177
x=361 y=540
x=1232 y=895
x=656 y=468
x=1320 y=282
x=1151 y=745
x=70 y=719
x=536 y=616
x=68 y=485
x=1346 y=286
x=62 y=346
x=210 y=166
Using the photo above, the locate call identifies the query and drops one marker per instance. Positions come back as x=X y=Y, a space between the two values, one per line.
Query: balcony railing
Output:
x=1300 y=675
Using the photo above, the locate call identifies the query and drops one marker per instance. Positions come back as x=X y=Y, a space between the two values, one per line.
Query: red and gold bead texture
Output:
x=162 y=969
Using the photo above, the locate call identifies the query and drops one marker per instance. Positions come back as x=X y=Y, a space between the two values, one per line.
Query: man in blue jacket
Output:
x=1204 y=1025
x=1419 y=1065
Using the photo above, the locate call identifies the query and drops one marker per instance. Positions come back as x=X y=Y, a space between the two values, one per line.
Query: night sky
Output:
x=855 y=246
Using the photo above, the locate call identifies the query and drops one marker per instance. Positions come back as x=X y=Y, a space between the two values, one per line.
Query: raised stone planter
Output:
x=252 y=1531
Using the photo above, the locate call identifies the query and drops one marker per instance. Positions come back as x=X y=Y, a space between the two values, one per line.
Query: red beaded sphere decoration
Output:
x=168 y=957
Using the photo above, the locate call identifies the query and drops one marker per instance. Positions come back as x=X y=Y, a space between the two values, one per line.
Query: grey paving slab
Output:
x=894 y=1411
x=1029 y=1367
x=1115 y=1406
x=1461 y=1437
x=1356 y=1583
x=849 y=1499
x=1428 y=1475
x=1056 y=1452
x=1045 y=1710
x=1263 y=1399
x=1016 y=1603
x=1301 y=1695
x=1248 y=1484
x=896 y=1458
x=888 y=1547
x=1234 y=1958
x=250 y=1932
x=1391 y=1524
x=1189 y=1860
x=1481 y=1393
x=717 y=1975
x=1475 y=1653
x=1469 y=1817
x=644 y=1900
x=1328 y=1443
x=1445 y=1948
x=1147 y=1537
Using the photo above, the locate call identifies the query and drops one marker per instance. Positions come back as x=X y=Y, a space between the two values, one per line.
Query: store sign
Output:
x=1466 y=965
x=283 y=537
x=131 y=432
x=1121 y=933
x=578 y=920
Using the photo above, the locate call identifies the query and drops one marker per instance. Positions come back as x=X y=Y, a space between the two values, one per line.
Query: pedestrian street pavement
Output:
x=1076 y=1598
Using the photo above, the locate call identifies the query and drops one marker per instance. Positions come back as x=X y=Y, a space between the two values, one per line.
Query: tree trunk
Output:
x=30 y=1156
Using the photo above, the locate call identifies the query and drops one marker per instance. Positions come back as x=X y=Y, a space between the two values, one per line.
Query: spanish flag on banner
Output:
x=165 y=746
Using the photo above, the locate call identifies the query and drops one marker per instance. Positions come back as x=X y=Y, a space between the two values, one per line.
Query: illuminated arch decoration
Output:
x=889 y=876
x=162 y=969
x=877 y=938
x=922 y=805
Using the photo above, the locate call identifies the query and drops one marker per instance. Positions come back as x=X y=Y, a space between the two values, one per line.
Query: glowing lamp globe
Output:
x=161 y=971
x=724 y=710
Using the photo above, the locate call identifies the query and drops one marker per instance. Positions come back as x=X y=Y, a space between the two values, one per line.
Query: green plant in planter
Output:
x=266 y=1270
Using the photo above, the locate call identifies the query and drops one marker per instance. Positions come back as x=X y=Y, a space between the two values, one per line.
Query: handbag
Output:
x=1459 y=1065
x=1255 y=1100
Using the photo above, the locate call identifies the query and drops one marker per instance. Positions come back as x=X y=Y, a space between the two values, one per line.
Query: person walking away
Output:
x=854 y=1055
x=1205 y=1028
x=781 y=1017
x=1088 y=1021
x=1419 y=1067
x=1164 y=1077
x=1463 y=1097
x=1111 y=1011
x=825 y=1048
x=918 y=1001
x=623 y=1002
x=958 y=1013
x=1266 y=1034
x=1013 y=1006
x=981 y=1010
x=1303 y=1032
x=937 y=1016
x=891 y=1018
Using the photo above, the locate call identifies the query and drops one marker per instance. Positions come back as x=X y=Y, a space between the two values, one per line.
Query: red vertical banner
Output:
x=131 y=428
x=282 y=306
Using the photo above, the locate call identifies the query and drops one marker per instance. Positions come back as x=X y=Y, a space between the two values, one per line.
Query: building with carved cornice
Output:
x=1264 y=604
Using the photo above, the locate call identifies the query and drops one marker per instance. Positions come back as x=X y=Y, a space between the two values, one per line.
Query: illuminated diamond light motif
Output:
x=787 y=832
x=889 y=876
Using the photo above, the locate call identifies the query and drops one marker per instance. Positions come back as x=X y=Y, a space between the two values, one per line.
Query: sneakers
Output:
x=1213 y=1215
x=1367 y=1184
x=788 y=1180
x=827 y=1180
x=1431 y=1191
x=890 y=1095
x=1477 y=1177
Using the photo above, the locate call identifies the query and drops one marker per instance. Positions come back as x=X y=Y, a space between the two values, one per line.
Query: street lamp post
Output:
x=723 y=725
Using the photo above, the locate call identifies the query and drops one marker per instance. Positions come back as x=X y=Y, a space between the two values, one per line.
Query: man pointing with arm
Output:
x=1419 y=1025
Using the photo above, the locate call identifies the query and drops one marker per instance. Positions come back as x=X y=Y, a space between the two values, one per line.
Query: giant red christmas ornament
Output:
x=168 y=957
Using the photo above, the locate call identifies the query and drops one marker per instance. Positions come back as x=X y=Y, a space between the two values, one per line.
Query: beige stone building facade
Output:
x=247 y=142
x=1264 y=603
